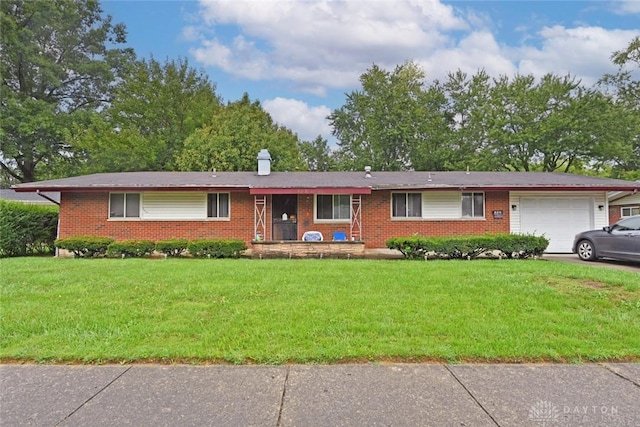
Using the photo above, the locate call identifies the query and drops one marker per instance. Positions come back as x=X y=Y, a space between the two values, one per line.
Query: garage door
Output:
x=559 y=219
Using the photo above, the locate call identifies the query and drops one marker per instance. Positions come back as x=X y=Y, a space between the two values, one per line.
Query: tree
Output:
x=389 y=124
x=550 y=125
x=623 y=155
x=467 y=100
x=153 y=111
x=54 y=64
x=232 y=138
x=629 y=55
x=317 y=155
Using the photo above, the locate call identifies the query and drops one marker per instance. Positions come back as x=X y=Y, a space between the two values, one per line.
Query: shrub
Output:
x=131 y=248
x=216 y=248
x=506 y=245
x=85 y=246
x=27 y=229
x=173 y=247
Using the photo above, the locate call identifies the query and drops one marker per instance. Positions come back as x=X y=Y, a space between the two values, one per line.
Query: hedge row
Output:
x=491 y=245
x=88 y=247
x=27 y=229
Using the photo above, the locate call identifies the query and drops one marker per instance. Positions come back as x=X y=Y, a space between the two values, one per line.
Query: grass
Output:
x=314 y=311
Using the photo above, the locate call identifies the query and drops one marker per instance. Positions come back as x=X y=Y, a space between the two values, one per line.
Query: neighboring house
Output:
x=368 y=207
x=30 y=198
x=623 y=204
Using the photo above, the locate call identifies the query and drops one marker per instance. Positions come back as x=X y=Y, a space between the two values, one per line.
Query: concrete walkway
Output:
x=319 y=395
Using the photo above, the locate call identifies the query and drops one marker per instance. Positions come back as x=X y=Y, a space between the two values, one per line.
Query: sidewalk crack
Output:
x=613 y=371
x=284 y=393
x=93 y=396
x=471 y=395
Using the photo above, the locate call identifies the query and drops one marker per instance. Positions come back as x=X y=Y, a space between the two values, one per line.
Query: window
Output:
x=629 y=224
x=218 y=205
x=406 y=205
x=629 y=211
x=472 y=205
x=124 y=205
x=333 y=207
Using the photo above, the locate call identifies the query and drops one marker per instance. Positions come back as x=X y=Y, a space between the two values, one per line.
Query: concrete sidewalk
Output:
x=320 y=395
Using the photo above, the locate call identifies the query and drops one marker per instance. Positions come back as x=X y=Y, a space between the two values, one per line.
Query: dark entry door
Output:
x=284 y=211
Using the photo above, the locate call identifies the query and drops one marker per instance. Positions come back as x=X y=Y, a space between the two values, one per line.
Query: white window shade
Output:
x=174 y=205
x=441 y=205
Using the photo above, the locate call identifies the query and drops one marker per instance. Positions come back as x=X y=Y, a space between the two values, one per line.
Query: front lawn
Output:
x=315 y=311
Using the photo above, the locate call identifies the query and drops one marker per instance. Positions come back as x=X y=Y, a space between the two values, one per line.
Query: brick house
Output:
x=363 y=208
x=623 y=204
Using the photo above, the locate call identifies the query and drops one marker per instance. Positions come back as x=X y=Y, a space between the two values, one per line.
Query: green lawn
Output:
x=315 y=311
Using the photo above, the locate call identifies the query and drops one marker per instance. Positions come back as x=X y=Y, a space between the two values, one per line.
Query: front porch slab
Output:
x=302 y=249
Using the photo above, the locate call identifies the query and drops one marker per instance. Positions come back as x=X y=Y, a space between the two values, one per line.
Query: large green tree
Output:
x=467 y=99
x=623 y=119
x=546 y=125
x=152 y=112
x=55 y=65
x=393 y=123
x=317 y=155
x=232 y=138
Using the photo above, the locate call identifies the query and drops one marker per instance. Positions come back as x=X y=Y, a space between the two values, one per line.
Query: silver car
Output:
x=618 y=241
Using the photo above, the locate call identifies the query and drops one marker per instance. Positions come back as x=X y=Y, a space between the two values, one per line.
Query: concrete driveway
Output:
x=604 y=263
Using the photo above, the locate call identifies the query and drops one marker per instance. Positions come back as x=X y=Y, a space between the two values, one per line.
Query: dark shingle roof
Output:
x=326 y=180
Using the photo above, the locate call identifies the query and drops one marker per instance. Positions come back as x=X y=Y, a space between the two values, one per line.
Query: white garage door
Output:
x=559 y=219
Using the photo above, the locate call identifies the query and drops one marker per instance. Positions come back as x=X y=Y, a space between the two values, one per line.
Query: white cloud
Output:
x=322 y=43
x=308 y=122
x=241 y=58
x=190 y=34
x=479 y=50
x=584 y=52
x=627 y=7
x=317 y=46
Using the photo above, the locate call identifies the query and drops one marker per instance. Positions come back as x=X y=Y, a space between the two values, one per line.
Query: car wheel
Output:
x=586 y=251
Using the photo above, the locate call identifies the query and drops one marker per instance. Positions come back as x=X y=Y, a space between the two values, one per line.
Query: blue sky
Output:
x=300 y=57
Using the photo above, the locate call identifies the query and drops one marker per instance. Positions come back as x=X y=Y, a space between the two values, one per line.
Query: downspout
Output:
x=58 y=226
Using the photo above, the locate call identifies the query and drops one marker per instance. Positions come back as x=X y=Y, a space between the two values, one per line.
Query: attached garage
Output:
x=558 y=217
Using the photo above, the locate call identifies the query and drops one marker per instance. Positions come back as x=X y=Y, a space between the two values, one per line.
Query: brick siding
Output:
x=614 y=214
x=86 y=214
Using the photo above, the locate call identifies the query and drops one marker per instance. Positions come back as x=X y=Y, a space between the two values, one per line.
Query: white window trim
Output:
x=330 y=221
x=630 y=208
x=484 y=206
x=218 y=218
x=406 y=217
x=141 y=217
x=125 y=217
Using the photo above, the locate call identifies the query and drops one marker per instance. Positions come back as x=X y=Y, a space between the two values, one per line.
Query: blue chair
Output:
x=339 y=236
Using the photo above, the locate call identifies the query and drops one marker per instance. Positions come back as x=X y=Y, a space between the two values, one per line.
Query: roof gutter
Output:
x=44 y=196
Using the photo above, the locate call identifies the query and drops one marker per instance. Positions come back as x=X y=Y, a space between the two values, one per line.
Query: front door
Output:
x=284 y=214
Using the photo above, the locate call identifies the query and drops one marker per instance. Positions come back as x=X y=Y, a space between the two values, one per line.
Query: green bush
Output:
x=468 y=247
x=131 y=248
x=216 y=248
x=85 y=246
x=173 y=247
x=27 y=229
